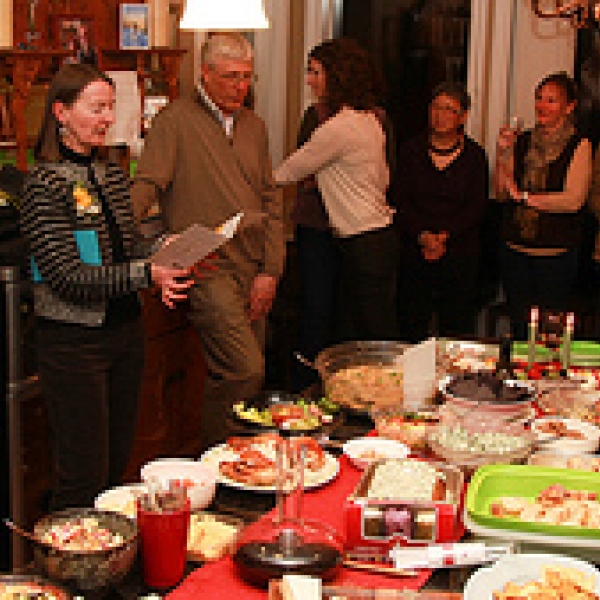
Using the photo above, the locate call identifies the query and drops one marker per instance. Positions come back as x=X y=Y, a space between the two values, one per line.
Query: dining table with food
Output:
x=439 y=470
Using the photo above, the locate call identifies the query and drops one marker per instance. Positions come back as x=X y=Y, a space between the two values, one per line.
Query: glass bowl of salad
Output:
x=473 y=442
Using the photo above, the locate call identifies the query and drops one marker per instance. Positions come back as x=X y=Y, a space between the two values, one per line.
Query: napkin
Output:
x=419 y=373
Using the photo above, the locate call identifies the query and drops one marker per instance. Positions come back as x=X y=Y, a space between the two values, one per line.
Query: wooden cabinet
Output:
x=169 y=418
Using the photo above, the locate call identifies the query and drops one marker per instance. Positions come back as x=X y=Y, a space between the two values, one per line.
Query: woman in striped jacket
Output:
x=88 y=263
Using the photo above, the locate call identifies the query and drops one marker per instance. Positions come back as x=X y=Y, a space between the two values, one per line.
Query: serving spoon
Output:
x=24 y=533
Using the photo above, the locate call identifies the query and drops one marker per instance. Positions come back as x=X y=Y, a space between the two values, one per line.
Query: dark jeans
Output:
x=446 y=287
x=368 y=285
x=543 y=281
x=319 y=268
x=90 y=381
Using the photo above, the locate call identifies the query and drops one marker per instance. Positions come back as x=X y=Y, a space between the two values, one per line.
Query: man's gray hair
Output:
x=226 y=46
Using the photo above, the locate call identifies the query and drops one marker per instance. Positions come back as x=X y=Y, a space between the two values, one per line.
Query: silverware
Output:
x=381 y=569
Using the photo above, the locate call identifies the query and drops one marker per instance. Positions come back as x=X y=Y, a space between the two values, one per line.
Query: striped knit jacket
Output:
x=57 y=200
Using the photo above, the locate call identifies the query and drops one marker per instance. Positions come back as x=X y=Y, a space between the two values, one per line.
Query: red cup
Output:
x=163 y=541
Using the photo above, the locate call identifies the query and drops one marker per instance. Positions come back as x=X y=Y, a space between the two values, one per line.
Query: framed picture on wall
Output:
x=76 y=33
x=134 y=26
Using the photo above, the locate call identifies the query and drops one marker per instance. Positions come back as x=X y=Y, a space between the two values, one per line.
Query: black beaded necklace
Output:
x=445 y=151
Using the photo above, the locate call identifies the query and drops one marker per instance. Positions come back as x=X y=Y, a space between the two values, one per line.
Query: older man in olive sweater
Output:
x=205 y=159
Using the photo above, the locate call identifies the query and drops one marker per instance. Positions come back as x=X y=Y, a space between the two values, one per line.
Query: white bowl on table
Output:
x=199 y=478
x=564 y=444
x=366 y=450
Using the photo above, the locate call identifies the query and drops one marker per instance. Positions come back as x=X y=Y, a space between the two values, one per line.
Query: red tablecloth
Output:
x=219 y=580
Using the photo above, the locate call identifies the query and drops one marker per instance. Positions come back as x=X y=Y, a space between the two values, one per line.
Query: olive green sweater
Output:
x=197 y=175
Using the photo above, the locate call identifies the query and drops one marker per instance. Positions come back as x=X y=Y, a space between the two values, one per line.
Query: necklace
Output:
x=445 y=151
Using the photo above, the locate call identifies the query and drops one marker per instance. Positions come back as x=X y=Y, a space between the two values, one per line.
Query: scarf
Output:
x=543 y=150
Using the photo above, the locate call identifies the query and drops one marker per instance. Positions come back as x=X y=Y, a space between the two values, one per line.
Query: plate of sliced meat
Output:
x=250 y=463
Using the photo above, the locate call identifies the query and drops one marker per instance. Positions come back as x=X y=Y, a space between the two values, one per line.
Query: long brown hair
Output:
x=351 y=76
x=66 y=86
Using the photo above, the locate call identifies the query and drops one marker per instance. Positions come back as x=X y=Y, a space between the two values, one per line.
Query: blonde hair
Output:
x=226 y=46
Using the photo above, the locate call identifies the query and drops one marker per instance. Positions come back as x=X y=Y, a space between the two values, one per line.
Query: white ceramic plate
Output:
x=520 y=568
x=366 y=450
x=567 y=445
x=120 y=499
x=312 y=479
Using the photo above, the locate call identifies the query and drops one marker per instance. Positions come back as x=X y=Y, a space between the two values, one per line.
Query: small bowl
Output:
x=199 y=478
x=120 y=499
x=87 y=569
x=362 y=452
x=564 y=444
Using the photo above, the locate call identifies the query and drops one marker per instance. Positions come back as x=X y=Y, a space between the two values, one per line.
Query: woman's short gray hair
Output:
x=226 y=46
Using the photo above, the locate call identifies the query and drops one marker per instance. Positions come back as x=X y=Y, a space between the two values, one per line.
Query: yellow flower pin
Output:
x=84 y=201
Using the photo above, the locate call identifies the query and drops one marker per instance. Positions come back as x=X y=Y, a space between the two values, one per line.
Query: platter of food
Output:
x=540 y=500
x=286 y=413
x=249 y=463
x=570 y=436
x=535 y=576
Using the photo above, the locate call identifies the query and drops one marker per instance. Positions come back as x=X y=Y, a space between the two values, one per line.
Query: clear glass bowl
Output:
x=469 y=459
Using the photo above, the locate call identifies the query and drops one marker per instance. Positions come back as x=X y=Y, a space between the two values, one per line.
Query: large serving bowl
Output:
x=87 y=569
x=472 y=443
x=363 y=375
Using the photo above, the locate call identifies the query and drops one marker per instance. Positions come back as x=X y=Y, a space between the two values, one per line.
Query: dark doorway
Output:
x=418 y=44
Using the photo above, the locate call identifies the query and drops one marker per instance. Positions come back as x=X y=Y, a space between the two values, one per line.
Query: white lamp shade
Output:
x=212 y=15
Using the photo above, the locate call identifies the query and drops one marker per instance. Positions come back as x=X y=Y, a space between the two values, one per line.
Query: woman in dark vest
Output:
x=543 y=175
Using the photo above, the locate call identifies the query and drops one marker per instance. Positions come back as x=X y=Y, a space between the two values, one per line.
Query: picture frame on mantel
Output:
x=134 y=26
x=75 y=32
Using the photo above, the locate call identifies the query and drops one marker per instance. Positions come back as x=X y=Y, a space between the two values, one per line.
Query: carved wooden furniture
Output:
x=23 y=67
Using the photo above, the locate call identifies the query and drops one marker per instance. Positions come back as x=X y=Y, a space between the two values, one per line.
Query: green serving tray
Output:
x=583 y=353
x=494 y=481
